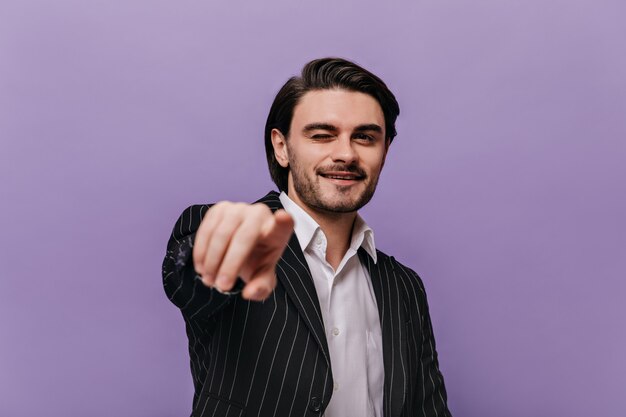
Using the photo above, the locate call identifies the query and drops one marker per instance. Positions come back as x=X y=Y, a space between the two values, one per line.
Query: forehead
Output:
x=342 y=108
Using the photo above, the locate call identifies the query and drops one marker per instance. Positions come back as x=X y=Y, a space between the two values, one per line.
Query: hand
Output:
x=241 y=240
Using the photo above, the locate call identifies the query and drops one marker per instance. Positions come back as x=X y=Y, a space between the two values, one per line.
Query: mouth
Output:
x=342 y=177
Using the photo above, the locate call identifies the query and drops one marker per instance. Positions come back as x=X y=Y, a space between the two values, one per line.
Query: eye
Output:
x=321 y=136
x=365 y=137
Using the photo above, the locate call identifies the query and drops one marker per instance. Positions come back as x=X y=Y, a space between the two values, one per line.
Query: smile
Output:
x=339 y=177
x=342 y=175
x=342 y=178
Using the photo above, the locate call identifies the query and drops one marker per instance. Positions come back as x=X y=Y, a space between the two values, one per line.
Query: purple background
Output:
x=504 y=188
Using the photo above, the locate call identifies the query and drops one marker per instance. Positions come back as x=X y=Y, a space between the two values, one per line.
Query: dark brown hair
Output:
x=323 y=74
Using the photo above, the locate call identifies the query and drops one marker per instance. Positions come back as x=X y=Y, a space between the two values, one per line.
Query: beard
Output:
x=336 y=198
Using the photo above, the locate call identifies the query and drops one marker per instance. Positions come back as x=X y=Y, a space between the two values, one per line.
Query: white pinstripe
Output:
x=274 y=356
x=432 y=348
x=193 y=294
x=421 y=366
x=406 y=289
x=306 y=347
x=400 y=327
x=205 y=404
x=219 y=338
x=195 y=342
x=256 y=364
x=312 y=379
x=325 y=381
x=243 y=331
x=306 y=268
x=230 y=330
x=245 y=322
x=393 y=346
x=282 y=383
x=317 y=337
x=208 y=303
x=171 y=297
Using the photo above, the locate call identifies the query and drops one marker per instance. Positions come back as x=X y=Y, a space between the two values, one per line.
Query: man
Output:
x=290 y=310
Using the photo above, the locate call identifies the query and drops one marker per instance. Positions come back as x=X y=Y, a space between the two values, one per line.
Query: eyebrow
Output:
x=319 y=126
x=371 y=127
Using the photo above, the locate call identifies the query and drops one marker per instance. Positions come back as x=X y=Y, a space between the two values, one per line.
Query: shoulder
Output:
x=271 y=200
x=406 y=276
x=183 y=232
x=190 y=219
x=409 y=284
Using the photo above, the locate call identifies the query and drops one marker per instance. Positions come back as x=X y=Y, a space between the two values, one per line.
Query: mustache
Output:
x=353 y=169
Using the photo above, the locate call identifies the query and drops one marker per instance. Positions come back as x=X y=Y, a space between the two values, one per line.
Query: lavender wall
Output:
x=504 y=188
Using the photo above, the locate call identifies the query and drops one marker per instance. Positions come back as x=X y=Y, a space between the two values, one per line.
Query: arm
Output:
x=429 y=392
x=180 y=281
x=216 y=252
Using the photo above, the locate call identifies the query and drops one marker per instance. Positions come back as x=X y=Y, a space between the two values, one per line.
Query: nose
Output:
x=343 y=150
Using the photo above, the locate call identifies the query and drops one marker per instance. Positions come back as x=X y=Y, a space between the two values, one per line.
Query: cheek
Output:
x=374 y=161
x=303 y=164
x=311 y=161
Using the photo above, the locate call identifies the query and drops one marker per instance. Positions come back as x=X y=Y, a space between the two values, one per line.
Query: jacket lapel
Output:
x=293 y=273
x=392 y=323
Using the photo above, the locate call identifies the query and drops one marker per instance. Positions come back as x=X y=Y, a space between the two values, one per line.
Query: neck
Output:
x=337 y=228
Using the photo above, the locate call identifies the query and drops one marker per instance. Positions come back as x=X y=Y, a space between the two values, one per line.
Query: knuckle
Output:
x=236 y=208
x=225 y=275
x=260 y=210
x=224 y=281
x=249 y=231
x=219 y=206
x=235 y=211
x=220 y=235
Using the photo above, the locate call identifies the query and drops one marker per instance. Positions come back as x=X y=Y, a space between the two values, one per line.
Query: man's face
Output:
x=335 y=150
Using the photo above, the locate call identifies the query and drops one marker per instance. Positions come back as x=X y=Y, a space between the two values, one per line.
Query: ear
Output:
x=279 y=142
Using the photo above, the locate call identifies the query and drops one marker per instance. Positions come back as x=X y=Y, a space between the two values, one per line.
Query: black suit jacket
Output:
x=271 y=358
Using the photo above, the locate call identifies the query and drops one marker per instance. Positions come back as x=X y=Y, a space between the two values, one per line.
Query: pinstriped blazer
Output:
x=271 y=358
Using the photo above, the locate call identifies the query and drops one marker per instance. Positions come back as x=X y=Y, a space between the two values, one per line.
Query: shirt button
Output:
x=315 y=404
x=336 y=386
x=335 y=331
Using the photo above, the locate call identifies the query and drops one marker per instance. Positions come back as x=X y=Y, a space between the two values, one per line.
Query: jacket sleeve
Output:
x=432 y=392
x=182 y=285
x=429 y=394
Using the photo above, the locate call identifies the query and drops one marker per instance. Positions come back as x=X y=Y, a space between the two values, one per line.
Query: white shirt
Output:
x=350 y=316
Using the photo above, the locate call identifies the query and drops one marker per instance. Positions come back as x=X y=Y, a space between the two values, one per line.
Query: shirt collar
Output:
x=305 y=228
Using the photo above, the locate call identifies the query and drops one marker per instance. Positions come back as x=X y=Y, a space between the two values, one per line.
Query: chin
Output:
x=333 y=198
x=343 y=204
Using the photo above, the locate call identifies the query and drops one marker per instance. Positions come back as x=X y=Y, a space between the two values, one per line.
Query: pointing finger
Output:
x=281 y=229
